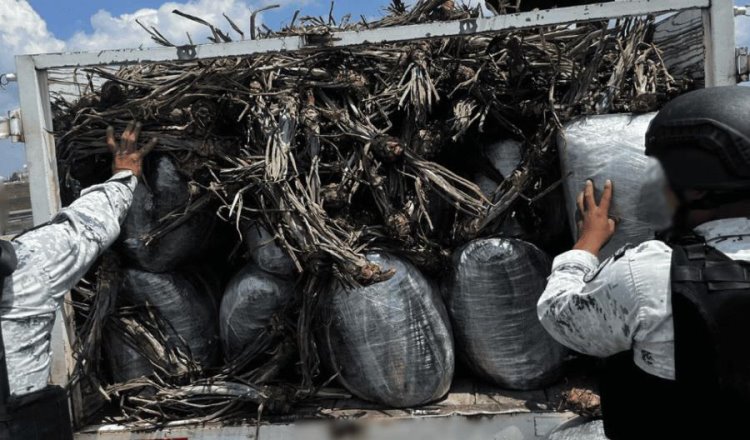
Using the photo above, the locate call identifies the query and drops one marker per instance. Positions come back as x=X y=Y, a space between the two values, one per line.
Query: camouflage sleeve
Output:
x=51 y=259
x=590 y=307
x=79 y=233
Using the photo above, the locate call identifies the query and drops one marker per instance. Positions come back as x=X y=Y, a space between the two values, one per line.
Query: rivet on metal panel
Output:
x=186 y=52
x=469 y=26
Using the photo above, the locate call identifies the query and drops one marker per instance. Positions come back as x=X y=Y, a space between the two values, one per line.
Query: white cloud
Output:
x=23 y=31
x=113 y=32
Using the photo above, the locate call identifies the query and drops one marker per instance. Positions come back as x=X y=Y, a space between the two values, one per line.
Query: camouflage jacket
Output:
x=51 y=260
x=625 y=302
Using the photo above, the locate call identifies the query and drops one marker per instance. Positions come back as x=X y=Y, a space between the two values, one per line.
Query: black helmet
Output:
x=702 y=139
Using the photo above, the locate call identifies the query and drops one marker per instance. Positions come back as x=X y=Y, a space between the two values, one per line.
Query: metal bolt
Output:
x=7 y=78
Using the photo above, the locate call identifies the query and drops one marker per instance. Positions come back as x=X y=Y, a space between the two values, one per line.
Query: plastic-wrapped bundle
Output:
x=391 y=341
x=266 y=253
x=612 y=147
x=492 y=296
x=125 y=362
x=503 y=157
x=165 y=191
x=251 y=301
x=191 y=314
x=550 y=230
x=499 y=161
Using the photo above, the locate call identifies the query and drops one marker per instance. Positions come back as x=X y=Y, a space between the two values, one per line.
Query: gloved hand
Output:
x=596 y=228
x=127 y=156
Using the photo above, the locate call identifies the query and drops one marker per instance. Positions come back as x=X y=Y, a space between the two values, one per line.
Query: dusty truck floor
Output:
x=471 y=410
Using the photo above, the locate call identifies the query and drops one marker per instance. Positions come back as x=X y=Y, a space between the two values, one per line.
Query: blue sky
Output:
x=65 y=18
x=37 y=26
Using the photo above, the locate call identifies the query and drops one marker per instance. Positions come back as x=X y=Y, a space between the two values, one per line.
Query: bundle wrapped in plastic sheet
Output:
x=266 y=253
x=499 y=161
x=491 y=296
x=502 y=158
x=125 y=361
x=612 y=147
x=390 y=342
x=190 y=315
x=252 y=301
x=165 y=193
x=542 y=221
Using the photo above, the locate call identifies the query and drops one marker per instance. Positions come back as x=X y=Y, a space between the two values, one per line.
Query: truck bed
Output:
x=471 y=410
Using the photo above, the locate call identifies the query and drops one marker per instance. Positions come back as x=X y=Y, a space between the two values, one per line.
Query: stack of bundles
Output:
x=188 y=319
x=253 y=303
x=491 y=297
x=176 y=329
x=389 y=342
x=340 y=152
x=612 y=147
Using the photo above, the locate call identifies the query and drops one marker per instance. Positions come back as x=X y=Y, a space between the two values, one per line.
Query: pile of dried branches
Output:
x=341 y=151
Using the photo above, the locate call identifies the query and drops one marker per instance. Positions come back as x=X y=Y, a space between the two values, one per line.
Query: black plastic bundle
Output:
x=266 y=253
x=390 y=342
x=492 y=296
x=189 y=314
x=162 y=194
x=125 y=361
x=252 y=301
x=498 y=162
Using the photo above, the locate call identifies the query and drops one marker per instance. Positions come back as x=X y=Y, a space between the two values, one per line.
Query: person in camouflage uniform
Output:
x=52 y=258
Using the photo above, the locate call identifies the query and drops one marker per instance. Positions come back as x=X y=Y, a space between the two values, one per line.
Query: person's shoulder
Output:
x=620 y=263
x=651 y=248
